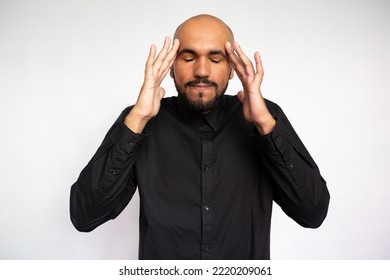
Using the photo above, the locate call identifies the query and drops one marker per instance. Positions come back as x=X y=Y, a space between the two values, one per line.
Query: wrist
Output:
x=135 y=122
x=266 y=126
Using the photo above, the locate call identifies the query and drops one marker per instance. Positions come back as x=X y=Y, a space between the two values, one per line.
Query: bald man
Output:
x=207 y=165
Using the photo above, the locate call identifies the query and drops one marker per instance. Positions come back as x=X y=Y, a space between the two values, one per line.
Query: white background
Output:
x=68 y=68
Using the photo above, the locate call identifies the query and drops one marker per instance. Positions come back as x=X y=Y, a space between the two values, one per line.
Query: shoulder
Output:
x=233 y=101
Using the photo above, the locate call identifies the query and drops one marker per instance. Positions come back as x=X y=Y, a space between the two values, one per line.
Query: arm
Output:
x=298 y=186
x=107 y=183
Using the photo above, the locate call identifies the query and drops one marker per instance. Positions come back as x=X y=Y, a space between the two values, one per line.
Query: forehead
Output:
x=203 y=35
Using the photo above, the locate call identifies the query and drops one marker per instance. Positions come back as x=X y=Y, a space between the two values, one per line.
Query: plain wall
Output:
x=68 y=68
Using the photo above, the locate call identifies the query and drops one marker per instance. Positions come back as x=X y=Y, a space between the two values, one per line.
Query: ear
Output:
x=171 y=72
x=231 y=74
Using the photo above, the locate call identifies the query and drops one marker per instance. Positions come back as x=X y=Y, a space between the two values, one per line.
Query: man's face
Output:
x=201 y=70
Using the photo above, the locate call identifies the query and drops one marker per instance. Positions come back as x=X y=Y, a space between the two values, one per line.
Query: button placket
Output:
x=206 y=180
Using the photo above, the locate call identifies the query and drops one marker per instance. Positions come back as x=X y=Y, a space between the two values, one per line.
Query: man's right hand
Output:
x=149 y=99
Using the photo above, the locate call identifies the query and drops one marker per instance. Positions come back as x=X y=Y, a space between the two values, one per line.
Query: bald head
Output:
x=202 y=70
x=205 y=23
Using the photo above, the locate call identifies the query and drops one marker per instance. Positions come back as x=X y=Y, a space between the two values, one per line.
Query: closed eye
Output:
x=216 y=58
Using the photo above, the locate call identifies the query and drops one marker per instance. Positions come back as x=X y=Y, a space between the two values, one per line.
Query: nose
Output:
x=202 y=68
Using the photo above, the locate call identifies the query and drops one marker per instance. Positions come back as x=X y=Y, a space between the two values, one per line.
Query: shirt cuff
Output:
x=273 y=142
x=125 y=139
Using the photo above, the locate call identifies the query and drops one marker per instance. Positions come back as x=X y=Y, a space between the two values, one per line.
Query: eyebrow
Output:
x=193 y=52
x=217 y=52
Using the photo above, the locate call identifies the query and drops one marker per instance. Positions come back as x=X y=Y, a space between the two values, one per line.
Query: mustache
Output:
x=201 y=81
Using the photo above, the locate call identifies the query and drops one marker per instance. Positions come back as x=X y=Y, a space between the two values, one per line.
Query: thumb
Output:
x=240 y=96
x=161 y=93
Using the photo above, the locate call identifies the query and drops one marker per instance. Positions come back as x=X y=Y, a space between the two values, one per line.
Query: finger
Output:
x=249 y=70
x=170 y=57
x=169 y=60
x=259 y=66
x=150 y=59
x=162 y=54
x=235 y=61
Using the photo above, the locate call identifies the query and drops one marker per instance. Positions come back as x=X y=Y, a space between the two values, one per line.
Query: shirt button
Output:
x=206 y=248
x=114 y=171
x=205 y=168
x=206 y=207
x=291 y=165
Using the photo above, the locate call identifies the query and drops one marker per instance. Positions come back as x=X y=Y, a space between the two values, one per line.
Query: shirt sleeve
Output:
x=299 y=188
x=106 y=185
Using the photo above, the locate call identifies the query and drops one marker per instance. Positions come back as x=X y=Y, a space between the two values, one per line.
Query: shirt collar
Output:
x=216 y=118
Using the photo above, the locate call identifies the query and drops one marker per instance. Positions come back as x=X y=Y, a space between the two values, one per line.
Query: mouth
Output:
x=201 y=86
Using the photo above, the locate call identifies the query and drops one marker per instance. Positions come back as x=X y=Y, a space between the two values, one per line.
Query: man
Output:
x=208 y=166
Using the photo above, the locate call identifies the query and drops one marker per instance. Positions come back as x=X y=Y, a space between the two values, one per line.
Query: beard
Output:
x=198 y=105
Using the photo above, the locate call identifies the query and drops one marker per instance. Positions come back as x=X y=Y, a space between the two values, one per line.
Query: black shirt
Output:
x=206 y=182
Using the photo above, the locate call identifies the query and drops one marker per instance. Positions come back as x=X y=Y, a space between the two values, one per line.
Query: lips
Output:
x=201 y=84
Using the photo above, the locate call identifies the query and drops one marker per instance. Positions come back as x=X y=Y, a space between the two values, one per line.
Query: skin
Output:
x=203 y=48
x=202 y=70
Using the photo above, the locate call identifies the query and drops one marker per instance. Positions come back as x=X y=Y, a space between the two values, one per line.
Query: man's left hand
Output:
x=254 y=108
